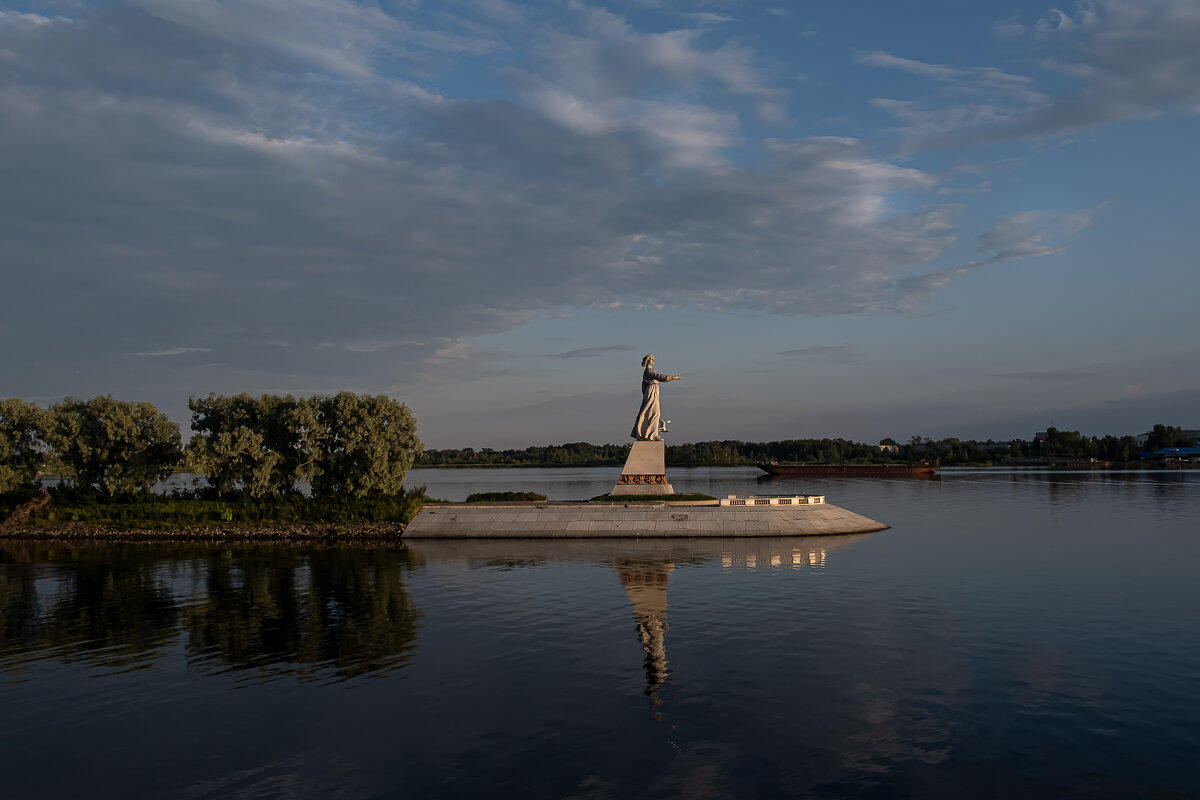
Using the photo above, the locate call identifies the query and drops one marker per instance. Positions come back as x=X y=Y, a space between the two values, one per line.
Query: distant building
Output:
x=889 y=448
x=1174 y=455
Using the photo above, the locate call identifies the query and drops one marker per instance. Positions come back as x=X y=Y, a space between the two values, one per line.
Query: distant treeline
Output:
x=344 y=445
x=575 y=454
x=1056 y=444
x=350 y=445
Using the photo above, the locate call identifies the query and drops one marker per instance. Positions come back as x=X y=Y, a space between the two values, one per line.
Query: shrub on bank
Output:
x=199 y=509
x=503 y=497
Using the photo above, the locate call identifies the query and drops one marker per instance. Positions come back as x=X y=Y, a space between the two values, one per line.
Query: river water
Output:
x=1015 y=633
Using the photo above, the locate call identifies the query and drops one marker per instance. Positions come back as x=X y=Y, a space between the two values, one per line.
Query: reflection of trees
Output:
x=278 y=608
x=274 y=607
x=19 y=602
x=108 y=606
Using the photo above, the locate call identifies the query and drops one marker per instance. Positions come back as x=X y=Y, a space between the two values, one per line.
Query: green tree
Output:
x=1123 y=448
x=366 y=445
x=21 y=450
x=114 y=446
x=233 y=460
x=258 y=445
x=1167 y=436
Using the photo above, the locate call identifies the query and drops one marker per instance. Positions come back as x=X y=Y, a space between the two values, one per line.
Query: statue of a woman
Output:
x=646 y=427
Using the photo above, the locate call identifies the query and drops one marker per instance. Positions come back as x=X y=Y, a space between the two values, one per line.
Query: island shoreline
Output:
x=294 y=532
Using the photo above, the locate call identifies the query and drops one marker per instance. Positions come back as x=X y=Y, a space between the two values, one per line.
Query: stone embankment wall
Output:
x=633 y=520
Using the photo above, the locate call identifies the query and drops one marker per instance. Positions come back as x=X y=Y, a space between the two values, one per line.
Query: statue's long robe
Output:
x=645 y=427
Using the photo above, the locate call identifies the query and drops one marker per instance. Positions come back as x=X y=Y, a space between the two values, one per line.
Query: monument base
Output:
x=631 y=519
x=645 y=471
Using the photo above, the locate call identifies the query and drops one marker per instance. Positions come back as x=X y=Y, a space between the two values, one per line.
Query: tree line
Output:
x=340 y=445
x=949 y=451
x=713 y=453
x=576 y=454
x=350 y=445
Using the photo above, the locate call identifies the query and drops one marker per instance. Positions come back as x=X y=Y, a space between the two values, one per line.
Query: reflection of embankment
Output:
x=749 y=551
x=276 y=609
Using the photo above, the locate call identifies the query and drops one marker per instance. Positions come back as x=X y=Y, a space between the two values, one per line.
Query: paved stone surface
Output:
x=479 y=521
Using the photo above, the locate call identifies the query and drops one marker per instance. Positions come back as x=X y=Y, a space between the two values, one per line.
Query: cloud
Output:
x=174 y=351
x=605 y=76
x=374 y=345
x=972 y=80
x=272 y=188
x=336 y=34
x=1122 y=60
x=971 y=97
x=1021 y=236
x=608 y=55
x=939 y=72
x=837 y=354
x=1069 y=375
x=592 y=352
x=342 y=36
x=1030 y=234
x=1056 y=21
x=467 y=362
x=25 y=18
x=1134 y=58
x=709 y=18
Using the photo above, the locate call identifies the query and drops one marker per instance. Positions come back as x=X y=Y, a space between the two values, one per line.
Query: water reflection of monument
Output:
x=645 y=583
x=644 y=567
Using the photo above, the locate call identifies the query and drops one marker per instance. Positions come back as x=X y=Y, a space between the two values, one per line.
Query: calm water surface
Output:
x=1014 y=634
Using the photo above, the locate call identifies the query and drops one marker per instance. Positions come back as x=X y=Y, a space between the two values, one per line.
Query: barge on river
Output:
x=924 y=469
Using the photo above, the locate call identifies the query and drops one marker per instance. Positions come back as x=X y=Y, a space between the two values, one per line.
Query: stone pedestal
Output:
x=645 y=470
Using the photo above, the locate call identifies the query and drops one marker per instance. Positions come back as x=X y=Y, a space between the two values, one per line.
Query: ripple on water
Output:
x=1032 y=635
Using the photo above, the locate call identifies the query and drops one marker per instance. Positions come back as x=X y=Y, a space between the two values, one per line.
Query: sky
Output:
x=854 y=218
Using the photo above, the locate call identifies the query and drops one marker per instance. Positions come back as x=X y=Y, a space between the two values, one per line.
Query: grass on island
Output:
x=651 y=498
x=186 y=510
x=504 y=497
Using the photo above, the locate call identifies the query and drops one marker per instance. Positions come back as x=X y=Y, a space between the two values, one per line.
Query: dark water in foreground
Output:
x=1015 y=634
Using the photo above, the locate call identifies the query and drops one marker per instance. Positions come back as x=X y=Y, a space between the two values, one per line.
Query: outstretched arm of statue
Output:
x=658 y=376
